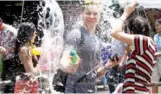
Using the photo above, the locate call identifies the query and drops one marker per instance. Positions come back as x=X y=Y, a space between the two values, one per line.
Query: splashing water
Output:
x=51 y=22
x=72 y=13
x=105 y=25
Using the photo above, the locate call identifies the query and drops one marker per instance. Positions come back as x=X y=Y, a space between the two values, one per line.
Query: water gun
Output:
x=73 y=55
x=36 y=51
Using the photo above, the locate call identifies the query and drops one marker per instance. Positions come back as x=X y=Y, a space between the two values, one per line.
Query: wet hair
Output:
x=25 y=34
x=138 y=25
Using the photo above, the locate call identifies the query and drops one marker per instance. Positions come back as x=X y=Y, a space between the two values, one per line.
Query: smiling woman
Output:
x=87 y=46
x=82 y=75
x=91 y=16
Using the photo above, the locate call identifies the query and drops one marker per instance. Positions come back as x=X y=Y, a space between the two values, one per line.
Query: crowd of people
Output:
x=138 y=58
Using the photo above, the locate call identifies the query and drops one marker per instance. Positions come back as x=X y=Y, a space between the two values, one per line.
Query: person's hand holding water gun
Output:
x=69 y=61
x=74 y=60
x=36 y=51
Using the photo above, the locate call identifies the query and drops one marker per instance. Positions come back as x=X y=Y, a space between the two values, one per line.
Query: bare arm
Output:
x=65 y=62
x=26 y=58
x=118 y=31
x=123 y=59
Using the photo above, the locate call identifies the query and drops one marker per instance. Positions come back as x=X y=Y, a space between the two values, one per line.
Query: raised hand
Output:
x=129 y=9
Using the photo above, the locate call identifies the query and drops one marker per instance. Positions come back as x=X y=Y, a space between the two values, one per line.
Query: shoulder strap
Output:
x=82 y=37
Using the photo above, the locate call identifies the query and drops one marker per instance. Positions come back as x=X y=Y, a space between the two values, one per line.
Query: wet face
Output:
x=158 y=27
x=91 y=15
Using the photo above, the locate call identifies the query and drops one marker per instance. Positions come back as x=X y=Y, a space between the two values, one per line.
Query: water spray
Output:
x=22 y=10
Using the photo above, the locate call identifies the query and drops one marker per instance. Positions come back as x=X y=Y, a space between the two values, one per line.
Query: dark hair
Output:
x=1 y=19
x=137 y=22
x=138 y=25
x=25 y=34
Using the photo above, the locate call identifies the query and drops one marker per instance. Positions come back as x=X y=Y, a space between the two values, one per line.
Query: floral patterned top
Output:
x=7 y=40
